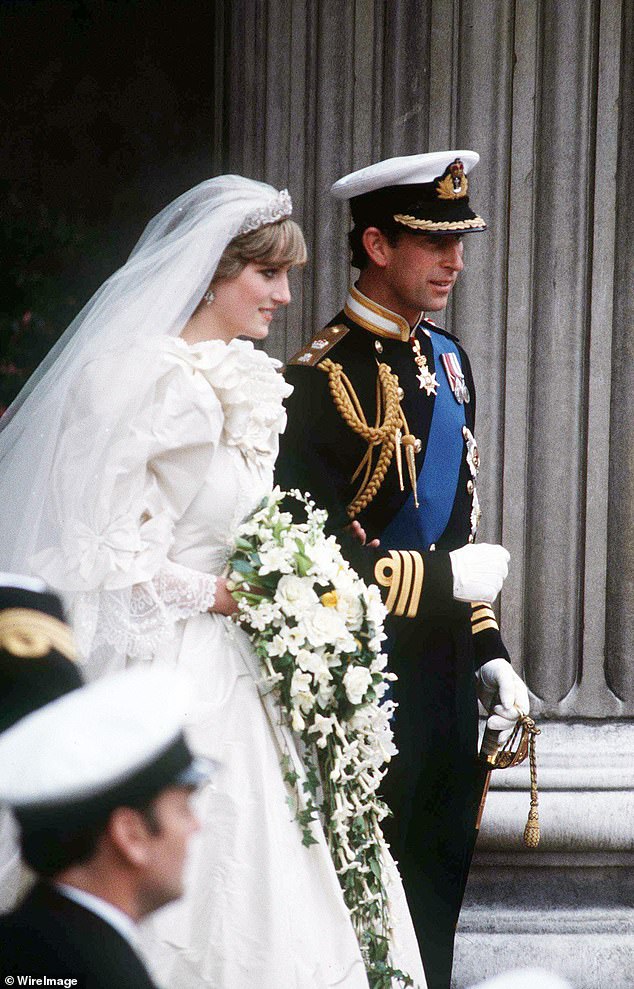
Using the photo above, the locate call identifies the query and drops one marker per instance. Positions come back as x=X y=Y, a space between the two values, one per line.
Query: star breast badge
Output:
x=426 y=378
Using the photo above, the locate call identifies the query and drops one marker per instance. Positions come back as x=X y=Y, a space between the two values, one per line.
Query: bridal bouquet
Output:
x=317 y=630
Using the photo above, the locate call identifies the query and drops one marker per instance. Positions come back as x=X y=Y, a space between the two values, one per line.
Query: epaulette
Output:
x=319 y=346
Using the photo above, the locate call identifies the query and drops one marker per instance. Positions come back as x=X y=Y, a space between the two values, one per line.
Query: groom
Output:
x=381 y=432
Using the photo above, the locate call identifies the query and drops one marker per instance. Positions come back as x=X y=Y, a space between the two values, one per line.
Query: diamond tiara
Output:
x=276 y=209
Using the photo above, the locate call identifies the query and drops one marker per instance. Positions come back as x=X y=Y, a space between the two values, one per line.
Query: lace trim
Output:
x=137 y=621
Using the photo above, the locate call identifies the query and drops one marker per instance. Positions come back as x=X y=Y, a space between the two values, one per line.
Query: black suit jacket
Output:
x=49 y=934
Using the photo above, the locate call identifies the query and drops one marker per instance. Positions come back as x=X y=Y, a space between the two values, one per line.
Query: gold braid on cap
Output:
x=32 y=634
x=438 y=225
x=389 y=432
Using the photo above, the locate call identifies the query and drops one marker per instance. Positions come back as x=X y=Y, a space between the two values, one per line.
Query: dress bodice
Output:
x=240 y=471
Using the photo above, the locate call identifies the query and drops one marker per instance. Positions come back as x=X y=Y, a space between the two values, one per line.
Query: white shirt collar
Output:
x=111 y=914
x=375 y=318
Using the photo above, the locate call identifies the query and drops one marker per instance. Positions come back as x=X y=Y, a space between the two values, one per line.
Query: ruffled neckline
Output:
x=248 y=385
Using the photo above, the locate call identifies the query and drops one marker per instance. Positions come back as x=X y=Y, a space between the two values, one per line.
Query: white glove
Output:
x=479 y=571
x=502 y=693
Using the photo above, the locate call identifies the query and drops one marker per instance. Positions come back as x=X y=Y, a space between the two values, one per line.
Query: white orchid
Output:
x=321 y=726
x=314 y=661
x=274 y=559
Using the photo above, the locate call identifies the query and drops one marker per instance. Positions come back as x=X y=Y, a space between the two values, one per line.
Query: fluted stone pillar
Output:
x=543 y=89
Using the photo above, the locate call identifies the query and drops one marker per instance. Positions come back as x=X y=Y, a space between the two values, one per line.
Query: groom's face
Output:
x=421 y=270
x=418 y=271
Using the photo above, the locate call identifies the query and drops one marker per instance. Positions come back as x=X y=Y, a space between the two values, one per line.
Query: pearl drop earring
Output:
x=209 y=297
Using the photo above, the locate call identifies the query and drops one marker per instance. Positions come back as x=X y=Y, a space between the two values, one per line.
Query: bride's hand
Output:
x=358 y=532
x=225 y=603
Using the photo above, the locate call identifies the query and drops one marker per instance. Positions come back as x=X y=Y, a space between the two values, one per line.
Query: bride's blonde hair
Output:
x=276 y=244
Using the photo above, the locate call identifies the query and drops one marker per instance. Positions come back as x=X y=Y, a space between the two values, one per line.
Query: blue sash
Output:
x=413 y=528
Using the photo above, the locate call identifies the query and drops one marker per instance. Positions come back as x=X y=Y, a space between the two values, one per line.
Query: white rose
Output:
x=295 y=595
x=325 y=626
x=356 y=681
x=350 y=608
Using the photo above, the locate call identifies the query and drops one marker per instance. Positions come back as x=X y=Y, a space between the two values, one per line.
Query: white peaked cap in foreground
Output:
x=92 y=741
x=407 y=170
x=23 y=582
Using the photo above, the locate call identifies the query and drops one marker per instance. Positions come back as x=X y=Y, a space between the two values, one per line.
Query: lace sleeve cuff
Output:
x=183 y=592
x=175 y=593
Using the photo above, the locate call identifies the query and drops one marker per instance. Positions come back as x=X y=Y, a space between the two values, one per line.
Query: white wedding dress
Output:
x=261 y=911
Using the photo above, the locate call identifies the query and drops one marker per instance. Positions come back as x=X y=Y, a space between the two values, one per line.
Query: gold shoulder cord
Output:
x=31 y=634
x=389 y=432
x=507 y=756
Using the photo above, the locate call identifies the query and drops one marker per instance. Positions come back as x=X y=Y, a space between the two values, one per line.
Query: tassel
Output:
x=531 y=831
x=409 y=442
x=398 y=438
x=519 y=745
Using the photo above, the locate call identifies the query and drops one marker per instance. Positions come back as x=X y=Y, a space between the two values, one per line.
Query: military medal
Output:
x=426 y=379
x=455 y=377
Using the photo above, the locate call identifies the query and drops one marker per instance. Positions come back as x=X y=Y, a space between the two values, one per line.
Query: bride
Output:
x=128 y=462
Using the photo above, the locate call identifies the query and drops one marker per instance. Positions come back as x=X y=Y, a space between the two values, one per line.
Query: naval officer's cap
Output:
x=426 y=192
x=115 y=742
x=37 y=652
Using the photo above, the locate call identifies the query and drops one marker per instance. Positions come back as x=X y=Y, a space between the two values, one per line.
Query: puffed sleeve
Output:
x=140 y=437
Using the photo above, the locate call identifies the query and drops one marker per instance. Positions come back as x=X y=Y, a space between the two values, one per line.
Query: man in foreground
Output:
x=380 y=431
x=100 y=782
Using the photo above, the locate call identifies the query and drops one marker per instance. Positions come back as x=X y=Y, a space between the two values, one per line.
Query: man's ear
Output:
x=129 y=834
x=376 y=246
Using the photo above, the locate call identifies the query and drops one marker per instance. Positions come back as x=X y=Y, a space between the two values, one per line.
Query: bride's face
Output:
x=244 y=306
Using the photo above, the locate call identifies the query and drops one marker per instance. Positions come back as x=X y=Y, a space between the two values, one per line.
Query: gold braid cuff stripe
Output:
x=481 y=611
x=416 y=224
x=403 y=571
x=482 y=617
x=32 y=634
x=481 y=626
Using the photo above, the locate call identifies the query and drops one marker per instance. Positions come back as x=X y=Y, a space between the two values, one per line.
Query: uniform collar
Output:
x=107 y=911
x=375 y=318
